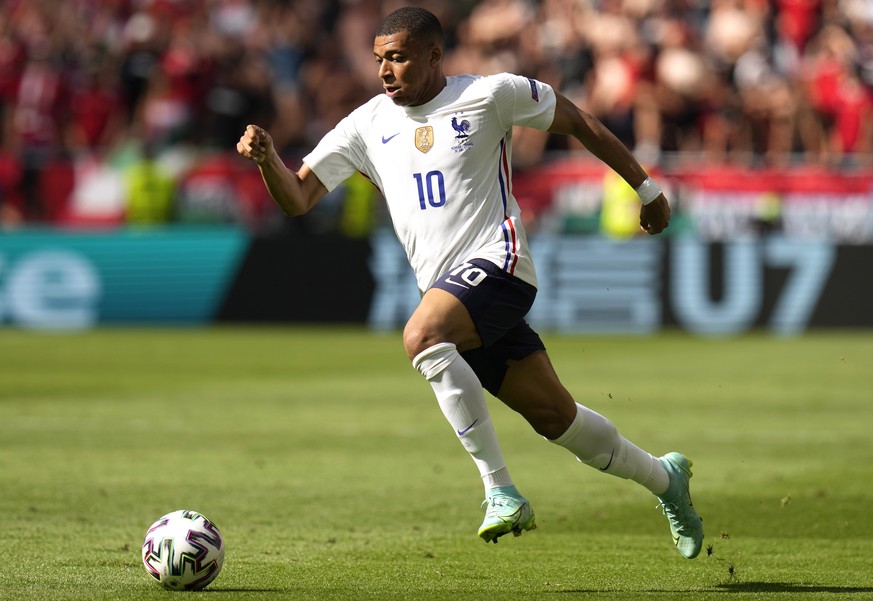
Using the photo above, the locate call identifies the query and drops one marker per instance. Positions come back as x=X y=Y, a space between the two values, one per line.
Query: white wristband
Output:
x=648 y=191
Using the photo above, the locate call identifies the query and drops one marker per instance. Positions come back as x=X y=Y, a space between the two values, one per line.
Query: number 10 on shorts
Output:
x=467 y=273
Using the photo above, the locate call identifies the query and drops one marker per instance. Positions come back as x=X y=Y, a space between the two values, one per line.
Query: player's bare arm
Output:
x=602 y=143
x=295 y=192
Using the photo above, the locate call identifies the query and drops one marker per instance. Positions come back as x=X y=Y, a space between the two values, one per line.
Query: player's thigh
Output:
x=532 y=388
x=472 y=305
x=439 y=317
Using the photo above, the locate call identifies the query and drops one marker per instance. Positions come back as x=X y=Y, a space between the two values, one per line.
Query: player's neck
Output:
x=433 y=91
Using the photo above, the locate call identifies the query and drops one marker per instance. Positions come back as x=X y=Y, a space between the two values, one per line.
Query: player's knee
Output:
x=548 y=422
x=417 y=338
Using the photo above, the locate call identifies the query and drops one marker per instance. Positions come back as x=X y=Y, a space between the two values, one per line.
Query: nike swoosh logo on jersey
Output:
x=389 y=138
x=467 y=429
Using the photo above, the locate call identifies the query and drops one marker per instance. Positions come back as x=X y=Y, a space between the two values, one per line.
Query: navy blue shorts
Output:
x=497 y=303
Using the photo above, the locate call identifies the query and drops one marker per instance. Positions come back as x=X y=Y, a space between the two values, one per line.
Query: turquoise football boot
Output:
x=685 y=525
x=507 y=511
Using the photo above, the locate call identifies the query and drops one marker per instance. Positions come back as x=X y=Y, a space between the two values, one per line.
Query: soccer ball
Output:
x=183 y=551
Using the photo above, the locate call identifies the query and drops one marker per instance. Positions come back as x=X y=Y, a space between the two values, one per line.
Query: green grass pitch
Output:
x=323 y=458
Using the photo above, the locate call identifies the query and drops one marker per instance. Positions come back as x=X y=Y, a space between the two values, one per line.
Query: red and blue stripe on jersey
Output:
x=510 y=236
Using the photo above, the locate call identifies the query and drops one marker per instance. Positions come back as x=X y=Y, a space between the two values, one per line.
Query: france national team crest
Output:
x=462 y=137
x=424 y=138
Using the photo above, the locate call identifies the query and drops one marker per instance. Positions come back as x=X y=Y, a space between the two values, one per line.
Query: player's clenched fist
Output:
x=655 y=216
x=255 y=144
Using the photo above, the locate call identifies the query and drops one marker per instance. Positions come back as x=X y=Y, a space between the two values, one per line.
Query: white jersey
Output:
x=444 y=169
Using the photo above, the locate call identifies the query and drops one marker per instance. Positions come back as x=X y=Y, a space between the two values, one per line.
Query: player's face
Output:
x=410 y=72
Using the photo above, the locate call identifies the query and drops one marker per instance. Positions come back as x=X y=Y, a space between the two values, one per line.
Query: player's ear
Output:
x=436 y=56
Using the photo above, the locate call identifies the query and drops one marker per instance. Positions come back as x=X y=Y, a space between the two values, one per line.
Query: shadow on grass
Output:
x=749 y=587
x=787 y=587
x=218 y=591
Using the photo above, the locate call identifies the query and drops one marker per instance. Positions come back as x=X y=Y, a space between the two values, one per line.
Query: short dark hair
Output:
x=421 y=24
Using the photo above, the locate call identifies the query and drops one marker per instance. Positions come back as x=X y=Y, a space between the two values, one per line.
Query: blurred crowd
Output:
x=129 y=110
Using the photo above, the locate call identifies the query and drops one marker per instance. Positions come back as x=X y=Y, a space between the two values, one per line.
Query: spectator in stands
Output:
x=841 y=102
x=96 y=110
x=613 y=81
x=150 y=192
x=38 y=116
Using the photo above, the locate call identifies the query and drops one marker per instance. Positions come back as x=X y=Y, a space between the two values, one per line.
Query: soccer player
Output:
x=439 y=149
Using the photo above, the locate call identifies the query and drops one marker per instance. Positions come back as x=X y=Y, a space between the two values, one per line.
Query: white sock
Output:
x=459 y=394
x=596 y=442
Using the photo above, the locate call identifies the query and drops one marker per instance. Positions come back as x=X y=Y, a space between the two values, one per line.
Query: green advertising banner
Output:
x=56 y=279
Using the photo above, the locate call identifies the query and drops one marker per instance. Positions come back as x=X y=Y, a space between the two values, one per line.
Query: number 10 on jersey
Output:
x=426 y=183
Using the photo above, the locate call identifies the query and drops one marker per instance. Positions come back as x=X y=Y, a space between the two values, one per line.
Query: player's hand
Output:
x=655 y=216
x=255 y=144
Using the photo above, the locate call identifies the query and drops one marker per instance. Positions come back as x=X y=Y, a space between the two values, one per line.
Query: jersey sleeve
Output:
x=337 y=156
x=524 y=101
